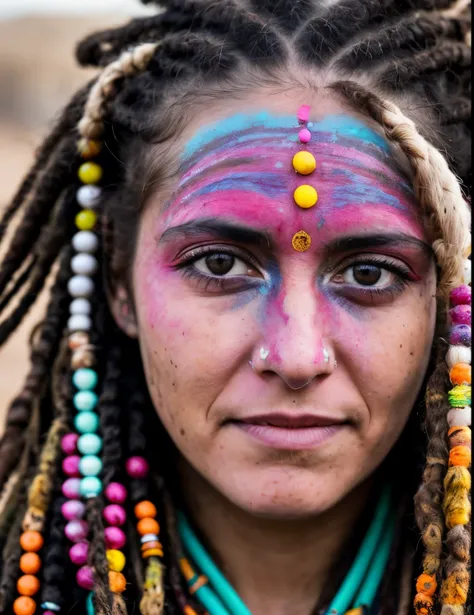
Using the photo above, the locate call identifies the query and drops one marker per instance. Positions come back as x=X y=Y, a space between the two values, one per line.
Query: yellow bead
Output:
x=304 y=163
x=305 y=196
x=116 y=560
x=301 y=241
x=86 y=220
x=90 y=173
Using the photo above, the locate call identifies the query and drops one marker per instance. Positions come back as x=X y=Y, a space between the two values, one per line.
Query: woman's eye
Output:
x=366 y=274
x=222 y=264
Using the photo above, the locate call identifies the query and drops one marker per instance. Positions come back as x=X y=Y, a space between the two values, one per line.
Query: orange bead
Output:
x=117 y=582
x=89 y=148
x=27 y=585
x=460 y=374
x=24 y=606
x=145 y=509
x=148 y=526
x=426 y=584
x=152 y=553
x=460 y=456
x=31 y=541
x=30 y=563
x=189 y=610
x=423 y=604
x=153 y=544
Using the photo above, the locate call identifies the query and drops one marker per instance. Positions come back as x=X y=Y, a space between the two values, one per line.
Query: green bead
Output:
x=86 y=422
x=84 y=379
x=89 y=444
x=90 y=486
x=90 y=465
x=460 y=396
x=85 y=401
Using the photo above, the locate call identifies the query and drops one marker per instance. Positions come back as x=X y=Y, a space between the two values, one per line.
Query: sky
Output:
x=19 y=8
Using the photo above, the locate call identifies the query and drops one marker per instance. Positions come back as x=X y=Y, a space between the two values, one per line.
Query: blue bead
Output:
x=86 y=422
x=90 y=465
x=85 y=401
x=84 y=379
x=89 y=444
x=90 y=486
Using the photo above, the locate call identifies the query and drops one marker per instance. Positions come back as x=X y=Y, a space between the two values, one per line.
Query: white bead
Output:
x=148 y=538
x=88 y=196
x=80 y=286
x=85 y=241
x=460 y=417
x=84 y=264
x=467 y=272
x=80 y=306
x=458 y=354
x=79 y=322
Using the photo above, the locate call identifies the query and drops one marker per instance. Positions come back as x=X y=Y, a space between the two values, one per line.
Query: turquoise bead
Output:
x=85 y=401
x=84 y=379
x=90 y=465
x=86 y=422
x=89 y=444
x=90 y=486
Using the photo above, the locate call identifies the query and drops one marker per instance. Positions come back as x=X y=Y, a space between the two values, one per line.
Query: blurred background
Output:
x=37 y=77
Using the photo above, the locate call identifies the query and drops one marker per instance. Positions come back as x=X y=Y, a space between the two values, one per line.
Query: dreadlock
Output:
x=405 y=64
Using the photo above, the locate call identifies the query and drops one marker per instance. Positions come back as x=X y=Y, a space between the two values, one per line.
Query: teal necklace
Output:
x=358 y=589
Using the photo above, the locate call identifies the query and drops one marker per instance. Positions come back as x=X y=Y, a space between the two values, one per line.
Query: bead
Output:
x=460 y=417
x=460 y=315
x=86 y=220
x=89 y=148
x=24 y=605
x=84 y=264
x=85 y=577
x=85 y=401
x=145 y=509
x=459 y=436
x=301 y=241
x=467 y=272
x=80 y=286
x=70 y=465
x=116 y=560
x=304 y=135
x=426 y=584
x=27 y=585
x=31 y=541
x=90 y=465
x=79 y=322
x=89 y=444
x=91 y=486
x=114 y=537
x=80 y=306
x=71 y=488
x=88 y=196
x=304 y=163
x=82 y=357
x=48 y=613
x=85 y=379
x=152 y=553
x=460 y=396
x=305 y=196
x=151 y=544
x=460 y=334
x=79 y=553
x=116 y=493
x=85 y=241
x=460 y=295
x=73 y=509
x=30 y=563
x=114 y=514
x=137 y=467
x=148 y=538
x=76 y=530
x=117 y=582
x=86 y=422
x=460 y=456
x=148 y=526
x=52 y=606
x=423 y=604
x=69 y=443
x=458 y=354
x=303 y=114
x=460 y=374
x=90 y=173
x=78 y=340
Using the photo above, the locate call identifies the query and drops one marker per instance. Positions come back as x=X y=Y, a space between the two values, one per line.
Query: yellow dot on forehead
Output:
x=301 y=241
x=304 y=163
x=305 y=196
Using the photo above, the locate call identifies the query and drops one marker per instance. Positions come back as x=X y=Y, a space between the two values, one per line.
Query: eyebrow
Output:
x=219 y=229
x=376 y=240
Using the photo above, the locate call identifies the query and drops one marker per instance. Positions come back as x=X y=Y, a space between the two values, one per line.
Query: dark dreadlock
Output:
x=411 y=51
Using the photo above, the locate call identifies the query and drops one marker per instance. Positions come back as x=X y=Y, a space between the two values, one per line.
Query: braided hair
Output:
x=405 y=64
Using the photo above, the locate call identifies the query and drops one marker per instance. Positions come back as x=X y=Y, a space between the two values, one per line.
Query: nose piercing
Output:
x=264 y=353
x=326 y=355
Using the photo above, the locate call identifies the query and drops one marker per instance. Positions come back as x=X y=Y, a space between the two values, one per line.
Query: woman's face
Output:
x=284 y=377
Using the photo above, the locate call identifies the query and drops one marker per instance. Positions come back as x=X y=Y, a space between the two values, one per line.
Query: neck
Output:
x=276 y=566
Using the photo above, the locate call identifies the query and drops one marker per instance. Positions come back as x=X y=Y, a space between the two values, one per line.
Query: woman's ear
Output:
x=123 y=311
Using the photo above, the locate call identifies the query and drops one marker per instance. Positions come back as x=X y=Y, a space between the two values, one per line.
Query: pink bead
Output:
x=137 y=467
x=69 y=443
x=49 y=613
x=85 y=577
x=78 y=553
x=73 y=509
x=304 y=135
x=460 y=315
x=76 y=530
x=303 y=113
x=460 y=295
x=115 y=514
x=116 y=493
x=71 y=488
x=114 y=537
x=71 y=465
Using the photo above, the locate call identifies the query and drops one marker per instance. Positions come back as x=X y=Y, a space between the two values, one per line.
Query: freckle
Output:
x=173 y=384
x=401 y=345
x=412 y=354
x=182 y=432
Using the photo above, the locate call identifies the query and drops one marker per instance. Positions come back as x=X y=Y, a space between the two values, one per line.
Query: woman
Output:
x=247 y=385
